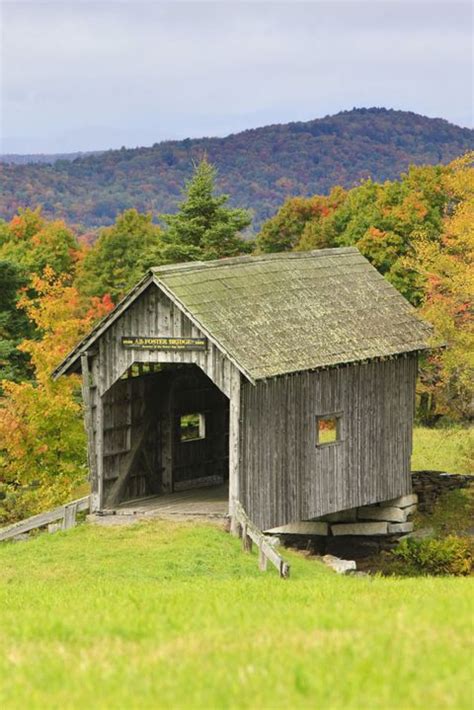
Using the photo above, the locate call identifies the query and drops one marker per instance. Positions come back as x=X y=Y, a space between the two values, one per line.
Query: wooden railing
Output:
x=266 y=550
x=66 y=514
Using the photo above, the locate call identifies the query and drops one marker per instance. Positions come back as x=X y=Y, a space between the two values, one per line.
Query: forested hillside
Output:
x=259 y=168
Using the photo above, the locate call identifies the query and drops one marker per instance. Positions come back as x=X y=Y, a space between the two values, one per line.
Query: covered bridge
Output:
x=289 y=376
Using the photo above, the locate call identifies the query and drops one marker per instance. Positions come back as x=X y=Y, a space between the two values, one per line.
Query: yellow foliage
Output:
x=448 y=269
x=42 y=441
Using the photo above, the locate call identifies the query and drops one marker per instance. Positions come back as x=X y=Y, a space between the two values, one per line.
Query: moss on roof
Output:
x=283 y=313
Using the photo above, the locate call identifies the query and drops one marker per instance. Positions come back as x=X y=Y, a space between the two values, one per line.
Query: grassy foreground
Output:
x=170 y=615
x=443 y=449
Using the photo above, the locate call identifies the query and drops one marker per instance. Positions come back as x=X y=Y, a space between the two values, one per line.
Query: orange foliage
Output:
x=43 y=459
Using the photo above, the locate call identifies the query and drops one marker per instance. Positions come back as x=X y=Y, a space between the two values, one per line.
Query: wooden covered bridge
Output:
x=286 y=380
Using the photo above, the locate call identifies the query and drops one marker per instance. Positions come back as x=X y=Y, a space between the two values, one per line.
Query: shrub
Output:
x=435 y=556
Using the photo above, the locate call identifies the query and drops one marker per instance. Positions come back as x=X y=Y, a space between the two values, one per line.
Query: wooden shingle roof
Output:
x=282 y=313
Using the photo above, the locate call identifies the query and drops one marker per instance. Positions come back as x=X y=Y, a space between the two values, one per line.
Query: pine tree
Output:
x=204 y=227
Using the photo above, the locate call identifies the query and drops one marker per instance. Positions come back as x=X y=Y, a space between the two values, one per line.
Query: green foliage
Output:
x=42 y=438
x=28 y=244
x=417 y=232
x=259 y=169
x=446 y=268
x=381 y=220
x=452 y=514
x=204 y=228
x=14 y=324
x=302 y=221
x=120 y=256
x=435 y=556
x=169 y=615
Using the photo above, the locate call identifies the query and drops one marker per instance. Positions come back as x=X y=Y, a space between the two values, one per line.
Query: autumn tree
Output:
x=302 y=223
x=35 y=243
x=28 y=244
x=42 y=440
x=120 y=256
x=446 y=267
x=382 y=220
x=204 y=227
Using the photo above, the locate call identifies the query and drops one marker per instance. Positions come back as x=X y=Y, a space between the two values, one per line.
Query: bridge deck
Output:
x=197 y=503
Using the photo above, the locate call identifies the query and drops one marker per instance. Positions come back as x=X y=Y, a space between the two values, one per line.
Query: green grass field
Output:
x=443 y=449
x=170 y=615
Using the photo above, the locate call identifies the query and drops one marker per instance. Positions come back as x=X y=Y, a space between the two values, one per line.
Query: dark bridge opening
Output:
x=166 y=429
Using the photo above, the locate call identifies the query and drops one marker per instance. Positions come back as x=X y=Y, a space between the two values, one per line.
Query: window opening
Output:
x=328 y=429
x=192 y=427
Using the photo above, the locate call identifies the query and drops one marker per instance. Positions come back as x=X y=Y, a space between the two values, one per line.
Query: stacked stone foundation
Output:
x=357 y=532
x=369 y=529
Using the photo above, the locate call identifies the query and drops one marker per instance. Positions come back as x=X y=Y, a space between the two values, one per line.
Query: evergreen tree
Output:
x=204 y=227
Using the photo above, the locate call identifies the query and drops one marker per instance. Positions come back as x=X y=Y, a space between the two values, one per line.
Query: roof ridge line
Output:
x=251 y=259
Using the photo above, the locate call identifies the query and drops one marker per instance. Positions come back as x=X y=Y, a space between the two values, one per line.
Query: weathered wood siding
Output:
x=116 y=409
x=285 y=477
x=130 y=407
x=154 y=314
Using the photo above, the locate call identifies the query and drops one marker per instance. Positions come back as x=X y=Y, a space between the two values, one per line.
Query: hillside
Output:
x=259 y=168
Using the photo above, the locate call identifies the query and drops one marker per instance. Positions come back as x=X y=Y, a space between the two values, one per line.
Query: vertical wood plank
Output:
x=234 y=446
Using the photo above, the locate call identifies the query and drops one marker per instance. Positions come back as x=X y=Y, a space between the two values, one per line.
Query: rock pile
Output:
x=429 y=485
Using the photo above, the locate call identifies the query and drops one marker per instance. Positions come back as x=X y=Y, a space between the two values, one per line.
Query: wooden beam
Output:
x=70 y=512
x=97 y=494
x=126 y=464
x=43 y=519
x=250 y=533
x=166 y=442
x=88 y=423
x=234 y=447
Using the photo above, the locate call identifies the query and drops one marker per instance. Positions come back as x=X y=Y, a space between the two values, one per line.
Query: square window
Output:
x=328 y=429
x=192 y=427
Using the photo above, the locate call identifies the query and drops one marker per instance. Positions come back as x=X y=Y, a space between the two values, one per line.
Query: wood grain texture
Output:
x=285 y=477
x=153 y=314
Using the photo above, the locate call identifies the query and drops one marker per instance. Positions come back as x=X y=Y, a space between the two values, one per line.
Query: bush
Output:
x=435 y=556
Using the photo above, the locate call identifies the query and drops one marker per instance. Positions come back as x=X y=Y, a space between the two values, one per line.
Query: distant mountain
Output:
x=259 y=168
x=17 y=159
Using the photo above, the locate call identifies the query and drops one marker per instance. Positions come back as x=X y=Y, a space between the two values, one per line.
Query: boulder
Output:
x=338 y=565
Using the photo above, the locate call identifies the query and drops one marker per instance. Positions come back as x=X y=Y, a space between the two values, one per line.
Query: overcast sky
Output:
x=91 y=75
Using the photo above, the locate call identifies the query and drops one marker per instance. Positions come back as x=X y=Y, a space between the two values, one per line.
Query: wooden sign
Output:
x=141 y=343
